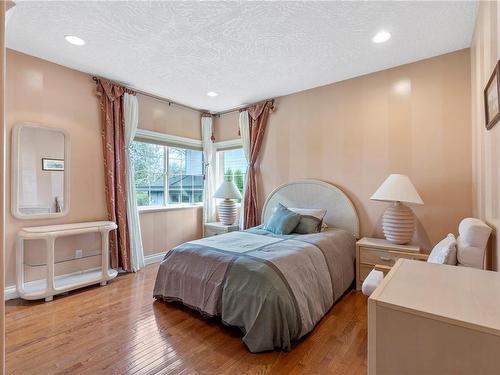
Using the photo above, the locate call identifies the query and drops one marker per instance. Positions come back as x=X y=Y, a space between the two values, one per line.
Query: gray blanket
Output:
x=275 y=288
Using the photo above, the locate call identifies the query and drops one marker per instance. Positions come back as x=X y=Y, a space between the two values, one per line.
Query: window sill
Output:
x=171 y=207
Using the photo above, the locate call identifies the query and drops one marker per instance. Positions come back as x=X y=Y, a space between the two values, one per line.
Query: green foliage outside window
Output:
x=149 y=170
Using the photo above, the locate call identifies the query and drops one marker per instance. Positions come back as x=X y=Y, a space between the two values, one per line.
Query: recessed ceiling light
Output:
x=212 y=94
x=74 y=40
x=381 y=37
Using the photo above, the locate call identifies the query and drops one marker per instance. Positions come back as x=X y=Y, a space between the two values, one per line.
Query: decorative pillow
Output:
x=308 y=224
x=445 y=252
x=283 y=221
x=311 y=220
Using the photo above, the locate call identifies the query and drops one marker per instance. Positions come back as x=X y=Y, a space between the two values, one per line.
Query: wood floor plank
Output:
x=120 y=329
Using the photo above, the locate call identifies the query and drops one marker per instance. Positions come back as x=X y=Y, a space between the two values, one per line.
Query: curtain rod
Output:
x=218 y=114
x=159 y=98
x=170 y=102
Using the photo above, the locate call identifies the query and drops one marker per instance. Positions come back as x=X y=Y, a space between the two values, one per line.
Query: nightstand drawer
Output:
x=376 y=253
x=212 y=232
x=213 y=229
x=375 y=256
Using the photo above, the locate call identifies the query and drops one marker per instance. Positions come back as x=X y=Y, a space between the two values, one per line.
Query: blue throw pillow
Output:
x=283 y=221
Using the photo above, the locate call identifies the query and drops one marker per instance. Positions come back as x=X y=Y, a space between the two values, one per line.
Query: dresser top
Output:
x=462 y=296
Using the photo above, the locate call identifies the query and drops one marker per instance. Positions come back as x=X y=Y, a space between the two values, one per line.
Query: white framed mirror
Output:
x=40 y=165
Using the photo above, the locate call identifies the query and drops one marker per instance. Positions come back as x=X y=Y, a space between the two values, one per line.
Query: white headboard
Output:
x=315 y=194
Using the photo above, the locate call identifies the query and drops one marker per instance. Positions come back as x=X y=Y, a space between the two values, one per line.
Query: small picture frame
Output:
x=52 y=164
x=492 y=98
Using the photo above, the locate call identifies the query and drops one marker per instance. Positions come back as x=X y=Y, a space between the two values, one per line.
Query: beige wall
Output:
x=226 y=126
x=166 y=229
x=156 y=115
x=42 y=92
x=485 y=52
x=413 y=119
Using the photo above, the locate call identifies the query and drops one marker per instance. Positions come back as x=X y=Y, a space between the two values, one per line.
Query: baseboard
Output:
x=155 y=258
x=10 y=292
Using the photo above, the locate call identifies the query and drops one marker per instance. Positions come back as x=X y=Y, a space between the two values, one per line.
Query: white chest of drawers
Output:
x=427 y=318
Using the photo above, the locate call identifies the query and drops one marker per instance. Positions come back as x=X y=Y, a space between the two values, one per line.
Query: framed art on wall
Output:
x=492 y=98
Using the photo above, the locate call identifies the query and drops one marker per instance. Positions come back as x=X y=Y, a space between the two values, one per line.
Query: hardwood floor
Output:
x=119 y=329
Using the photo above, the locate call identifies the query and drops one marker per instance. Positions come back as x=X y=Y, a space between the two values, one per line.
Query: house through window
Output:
x=167 y=175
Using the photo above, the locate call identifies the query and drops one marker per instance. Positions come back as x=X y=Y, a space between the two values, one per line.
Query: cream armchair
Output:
x=471 y=244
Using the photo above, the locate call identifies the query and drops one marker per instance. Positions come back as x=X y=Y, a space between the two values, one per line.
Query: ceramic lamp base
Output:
x=398 y=224
x=228 y=212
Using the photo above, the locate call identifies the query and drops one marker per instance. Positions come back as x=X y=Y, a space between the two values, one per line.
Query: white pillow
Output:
x=445 y=252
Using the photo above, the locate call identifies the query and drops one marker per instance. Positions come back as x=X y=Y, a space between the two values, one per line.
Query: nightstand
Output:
x=381 y=254
x=213 y=229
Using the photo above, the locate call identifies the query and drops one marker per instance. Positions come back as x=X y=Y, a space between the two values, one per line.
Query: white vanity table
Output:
x=52 y=285
x=52 y=259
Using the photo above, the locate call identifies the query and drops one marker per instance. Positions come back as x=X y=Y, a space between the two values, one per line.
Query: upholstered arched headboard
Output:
x=340 y=212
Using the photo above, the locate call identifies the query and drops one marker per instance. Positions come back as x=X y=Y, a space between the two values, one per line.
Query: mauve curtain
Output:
x=131 y=117
x=209 y=155
x=258 y=115
x=113 y=137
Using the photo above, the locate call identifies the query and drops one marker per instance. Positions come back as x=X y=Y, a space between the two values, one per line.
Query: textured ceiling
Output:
x=245 y=51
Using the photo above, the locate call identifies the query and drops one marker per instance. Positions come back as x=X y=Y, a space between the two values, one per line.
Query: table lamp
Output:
x=398 y=221
x=227 y=208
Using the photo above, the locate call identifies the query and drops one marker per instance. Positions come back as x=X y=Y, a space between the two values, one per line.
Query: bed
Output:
x=274 y=288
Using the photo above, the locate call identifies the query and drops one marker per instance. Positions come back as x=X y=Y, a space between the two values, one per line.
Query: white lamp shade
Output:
x=227 y=190
x=397 y=188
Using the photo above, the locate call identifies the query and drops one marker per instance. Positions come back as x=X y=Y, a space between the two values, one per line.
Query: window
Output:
x=167 y=175
x=232 y=166
x=185 y=176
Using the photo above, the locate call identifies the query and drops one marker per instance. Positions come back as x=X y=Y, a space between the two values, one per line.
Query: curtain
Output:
x=131 y=116
x=244 y=127
x=115 y=181
x=209 y=157
x=258 y=115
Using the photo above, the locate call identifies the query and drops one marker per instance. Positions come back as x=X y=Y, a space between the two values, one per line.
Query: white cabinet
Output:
x=51 y=285
x=429 y=318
